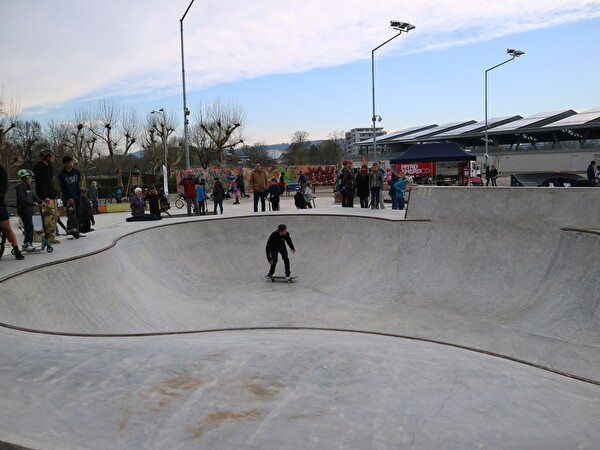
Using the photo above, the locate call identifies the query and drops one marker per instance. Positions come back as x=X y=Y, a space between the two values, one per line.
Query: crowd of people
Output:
x=368 y=186
x=79 y=205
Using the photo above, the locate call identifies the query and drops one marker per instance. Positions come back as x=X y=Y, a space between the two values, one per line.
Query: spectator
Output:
x=43 y=173
x=488 y=177
x=383 y=176
x=241 y=183
x=218 y=195
x=307 y=192
x=138 y=206
x=362 y=186
x=201 y=197
x=493 y=175
x=189 y=184
x=4 y=217
x=236 y=192
x=393 y=193
x=259 y=185
x=375 y=185
x=274 y=194
x=302 y=180
x=591 y=173
x=69 y=179
x=26 y=200
x=93 y=196
x=87 y=213
x=154 y=201
x=349 y=181
x=281 y=182
x=399 y=188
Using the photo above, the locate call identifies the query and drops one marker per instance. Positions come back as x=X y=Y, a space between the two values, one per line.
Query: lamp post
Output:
x=400 y=27
x=186 y=111
x=513 y=54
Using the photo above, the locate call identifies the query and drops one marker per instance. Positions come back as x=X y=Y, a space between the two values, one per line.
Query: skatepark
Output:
x=473 y=322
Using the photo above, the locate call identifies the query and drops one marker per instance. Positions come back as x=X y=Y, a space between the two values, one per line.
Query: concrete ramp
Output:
x=503 y=281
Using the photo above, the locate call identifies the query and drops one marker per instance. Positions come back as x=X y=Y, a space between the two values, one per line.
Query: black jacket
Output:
x=44 y=174
x=276 y=243
x=25 y=199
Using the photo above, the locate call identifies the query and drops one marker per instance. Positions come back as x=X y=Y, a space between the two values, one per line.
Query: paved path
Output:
x=471 y=323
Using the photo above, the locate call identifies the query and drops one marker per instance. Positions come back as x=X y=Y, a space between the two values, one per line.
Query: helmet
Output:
x=24 y=173
x=46 y=152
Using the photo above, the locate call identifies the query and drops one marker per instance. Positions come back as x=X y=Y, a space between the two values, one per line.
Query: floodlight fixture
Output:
x=514 y=52
x=401 y=26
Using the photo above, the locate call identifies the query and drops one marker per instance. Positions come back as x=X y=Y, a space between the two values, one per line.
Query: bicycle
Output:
x=179 y=203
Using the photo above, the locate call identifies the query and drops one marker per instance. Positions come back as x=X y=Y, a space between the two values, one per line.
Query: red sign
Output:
x=417 y=169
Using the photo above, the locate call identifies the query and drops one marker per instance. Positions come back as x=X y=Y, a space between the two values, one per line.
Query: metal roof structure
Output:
x=548 y=129
x=415 y=137
x=537 y=120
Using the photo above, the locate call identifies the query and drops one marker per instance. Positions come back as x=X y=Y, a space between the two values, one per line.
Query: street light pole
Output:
x=186 y=111
x=513 y=54
x=400 y=27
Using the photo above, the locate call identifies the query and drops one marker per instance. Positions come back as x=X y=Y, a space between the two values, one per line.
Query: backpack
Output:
x=299 y=200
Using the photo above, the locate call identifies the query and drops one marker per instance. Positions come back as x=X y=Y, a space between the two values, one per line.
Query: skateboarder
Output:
x=275 y=245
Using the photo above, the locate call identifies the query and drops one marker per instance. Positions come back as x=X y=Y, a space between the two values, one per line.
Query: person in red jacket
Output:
x=189 y=191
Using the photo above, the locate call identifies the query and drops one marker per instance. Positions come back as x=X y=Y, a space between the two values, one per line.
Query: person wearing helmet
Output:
x=43 y=173
x=275 y=245
x=26 y=200
x=4 y=217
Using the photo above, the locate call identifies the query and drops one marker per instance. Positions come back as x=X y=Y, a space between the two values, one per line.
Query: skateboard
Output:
x=273 y=279
x=72 y=225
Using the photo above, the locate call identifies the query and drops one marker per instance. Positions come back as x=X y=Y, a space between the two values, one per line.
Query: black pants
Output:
x=349 y=198
x=260 y=196
x=275 y=203
x=286 y=262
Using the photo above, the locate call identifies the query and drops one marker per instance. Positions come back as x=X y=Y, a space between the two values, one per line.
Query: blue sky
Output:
x=302 y=65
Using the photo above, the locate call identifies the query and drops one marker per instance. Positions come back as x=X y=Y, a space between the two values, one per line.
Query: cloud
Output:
x=66 y=49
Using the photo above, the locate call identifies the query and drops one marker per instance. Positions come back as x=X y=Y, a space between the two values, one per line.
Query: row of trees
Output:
x=103 y=137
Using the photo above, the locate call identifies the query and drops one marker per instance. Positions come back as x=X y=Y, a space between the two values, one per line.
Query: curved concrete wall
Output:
x=492 y=270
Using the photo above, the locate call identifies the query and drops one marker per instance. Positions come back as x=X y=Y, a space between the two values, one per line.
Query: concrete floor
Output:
x=471 y=323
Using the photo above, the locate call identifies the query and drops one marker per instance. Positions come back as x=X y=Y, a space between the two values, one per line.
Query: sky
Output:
x=302 y=64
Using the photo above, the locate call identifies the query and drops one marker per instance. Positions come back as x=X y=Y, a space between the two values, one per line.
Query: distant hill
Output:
x=283 y=147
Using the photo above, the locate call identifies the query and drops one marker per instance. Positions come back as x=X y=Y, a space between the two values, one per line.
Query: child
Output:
x=274 y=193
x=236 y=192
x=87 y=212
x=26 y=200
x=201 y=196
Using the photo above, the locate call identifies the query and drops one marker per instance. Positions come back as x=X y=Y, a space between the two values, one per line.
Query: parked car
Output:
x=556 y=179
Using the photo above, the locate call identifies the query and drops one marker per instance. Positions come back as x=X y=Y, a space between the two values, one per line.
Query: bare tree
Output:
x=297 y=152
x=82 y=143
x=130 y=129
x=9 y=117
x=219 y=126
x=201 y=143
x=58 y=138
x=162 y=124
x=105 y=128
x=28 y=138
